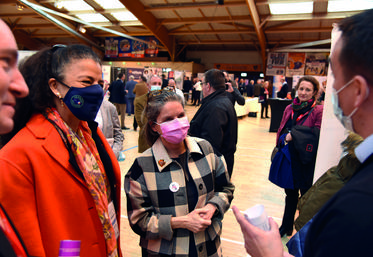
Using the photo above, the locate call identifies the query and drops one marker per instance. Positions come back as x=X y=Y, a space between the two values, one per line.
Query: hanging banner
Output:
x=238 y=67
x=136 y=72
x=123 y=47
x=295 y=64
x=316 y=64
x=111 y=47
x=276 y=64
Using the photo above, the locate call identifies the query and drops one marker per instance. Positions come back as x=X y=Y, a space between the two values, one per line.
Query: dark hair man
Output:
x=118 y=97
x=216 y=119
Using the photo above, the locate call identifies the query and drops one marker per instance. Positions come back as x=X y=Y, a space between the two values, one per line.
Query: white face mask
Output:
x=338 y=112
x=154 y=88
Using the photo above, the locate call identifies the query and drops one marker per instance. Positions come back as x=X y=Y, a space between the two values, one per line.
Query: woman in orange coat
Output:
x=60 y=180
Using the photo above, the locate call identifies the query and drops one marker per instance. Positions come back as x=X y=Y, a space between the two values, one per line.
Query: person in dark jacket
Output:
x=263 y=99
x=233 y=93
x=284 y=89
x=118 y=97
x=12 y=86
x=216 y=119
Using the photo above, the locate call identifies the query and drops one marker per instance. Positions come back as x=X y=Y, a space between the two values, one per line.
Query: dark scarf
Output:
x=300 y=108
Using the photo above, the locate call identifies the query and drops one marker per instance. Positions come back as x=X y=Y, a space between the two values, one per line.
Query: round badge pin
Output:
x=174 y=187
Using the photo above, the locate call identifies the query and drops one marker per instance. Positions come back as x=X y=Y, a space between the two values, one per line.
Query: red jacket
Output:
x=45 y=197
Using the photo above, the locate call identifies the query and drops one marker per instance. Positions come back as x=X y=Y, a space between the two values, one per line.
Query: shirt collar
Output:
x=365 y=149
x=163 y=159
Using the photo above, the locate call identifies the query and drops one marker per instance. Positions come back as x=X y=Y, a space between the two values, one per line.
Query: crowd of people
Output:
x=61 y=141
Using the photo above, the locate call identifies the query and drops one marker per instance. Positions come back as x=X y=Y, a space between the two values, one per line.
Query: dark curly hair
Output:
x=37 y=70
x=153 y=109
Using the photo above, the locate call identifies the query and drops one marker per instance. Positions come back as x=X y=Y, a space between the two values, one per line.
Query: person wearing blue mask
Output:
x=343 y=226
x=60 y=179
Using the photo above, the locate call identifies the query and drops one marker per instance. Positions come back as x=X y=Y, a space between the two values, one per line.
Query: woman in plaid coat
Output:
x=179 y=189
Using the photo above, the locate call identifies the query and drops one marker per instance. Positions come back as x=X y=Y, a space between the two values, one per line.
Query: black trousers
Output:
x=291 y=201
x=264 y=106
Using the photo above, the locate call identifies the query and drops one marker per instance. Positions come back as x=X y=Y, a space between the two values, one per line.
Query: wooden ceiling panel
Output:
x=198 y=24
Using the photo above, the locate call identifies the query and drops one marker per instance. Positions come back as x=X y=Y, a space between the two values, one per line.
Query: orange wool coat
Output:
x=46 y=199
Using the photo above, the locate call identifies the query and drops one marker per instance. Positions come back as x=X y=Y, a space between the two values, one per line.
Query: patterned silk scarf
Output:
x=89 y=162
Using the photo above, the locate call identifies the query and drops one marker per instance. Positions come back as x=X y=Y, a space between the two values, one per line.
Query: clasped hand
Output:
x=200 y=219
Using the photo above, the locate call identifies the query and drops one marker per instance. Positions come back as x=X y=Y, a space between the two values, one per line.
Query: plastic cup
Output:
x=257 y=216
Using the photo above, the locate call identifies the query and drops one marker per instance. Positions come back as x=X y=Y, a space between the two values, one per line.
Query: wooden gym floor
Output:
x=250 y=176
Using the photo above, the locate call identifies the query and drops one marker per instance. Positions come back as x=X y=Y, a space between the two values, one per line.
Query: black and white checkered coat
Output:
x=151 y=203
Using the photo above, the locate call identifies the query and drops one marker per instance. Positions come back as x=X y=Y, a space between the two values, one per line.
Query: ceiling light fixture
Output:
x=20 y=7
x=82 y=29
x=58 y=4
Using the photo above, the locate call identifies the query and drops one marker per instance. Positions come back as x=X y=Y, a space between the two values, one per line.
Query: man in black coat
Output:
x=216 y=119
x=118 y=97
x=187 y=86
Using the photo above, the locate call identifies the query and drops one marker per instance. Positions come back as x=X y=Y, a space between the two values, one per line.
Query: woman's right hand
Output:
x=196 y=223
x=192 y=221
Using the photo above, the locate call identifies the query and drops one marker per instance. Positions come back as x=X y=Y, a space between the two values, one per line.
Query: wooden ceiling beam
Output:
x=150 y=22
x=62 y=24
x=34 y=26
x=221 y=19
x=315 y=16
x=213 y=4
x=259 y=31
x=209 y=32
x=19 y=14
x=299 y=30
x=237 y=42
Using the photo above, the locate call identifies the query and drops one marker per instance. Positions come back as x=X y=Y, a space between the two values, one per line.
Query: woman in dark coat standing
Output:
x=263 y=99
x=304 y=110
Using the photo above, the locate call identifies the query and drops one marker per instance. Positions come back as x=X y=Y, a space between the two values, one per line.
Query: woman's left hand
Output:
x=207 y=211
x=288 y=137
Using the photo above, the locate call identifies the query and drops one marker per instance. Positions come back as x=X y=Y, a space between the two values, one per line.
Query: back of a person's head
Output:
x=131 y=77
x=143 y=78
x=120 y=75
x=216 y=79
x=356 y=56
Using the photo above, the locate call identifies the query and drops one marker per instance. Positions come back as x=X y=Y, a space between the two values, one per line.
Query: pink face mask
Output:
x=175 y=131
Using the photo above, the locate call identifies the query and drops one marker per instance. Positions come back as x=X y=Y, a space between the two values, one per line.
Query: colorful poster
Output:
x=138 y=49
x=125 y=47
x=151 y=50
x=111 y=47
x=136 y=72
x=276 y=64
x=295 y=64
x=316 y=64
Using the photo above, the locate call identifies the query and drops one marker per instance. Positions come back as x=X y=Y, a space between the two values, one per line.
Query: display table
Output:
x=278 y=106
x=251 y=105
